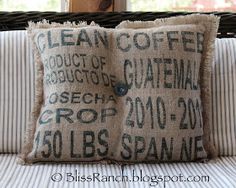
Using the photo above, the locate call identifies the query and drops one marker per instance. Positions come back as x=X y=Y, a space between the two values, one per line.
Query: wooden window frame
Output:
x=120 y=5
x=117 y=6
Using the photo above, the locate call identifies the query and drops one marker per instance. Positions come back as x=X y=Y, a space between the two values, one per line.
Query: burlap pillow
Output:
x=138 y=93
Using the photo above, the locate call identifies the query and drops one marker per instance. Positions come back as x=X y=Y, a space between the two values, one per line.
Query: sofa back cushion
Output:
x=224 y=97
x=16 y=89
x=17 y=92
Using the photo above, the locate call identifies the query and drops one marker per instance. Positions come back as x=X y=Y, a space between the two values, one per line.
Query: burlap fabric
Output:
x=137 y=93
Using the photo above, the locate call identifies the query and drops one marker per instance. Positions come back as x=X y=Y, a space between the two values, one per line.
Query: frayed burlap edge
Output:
x=45 y=24
x=211 y=24
x=32 y=123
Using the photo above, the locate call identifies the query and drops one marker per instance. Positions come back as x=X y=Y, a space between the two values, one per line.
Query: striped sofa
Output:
x=17 y=96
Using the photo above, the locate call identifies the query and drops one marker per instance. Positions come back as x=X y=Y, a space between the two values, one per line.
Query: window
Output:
x=30 y=5
x=181 y=5
x=132 y=5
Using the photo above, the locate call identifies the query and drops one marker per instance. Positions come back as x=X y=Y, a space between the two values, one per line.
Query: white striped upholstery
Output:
x=17 y=89
x=221 y=174
x=224 y=97
x=13 y=175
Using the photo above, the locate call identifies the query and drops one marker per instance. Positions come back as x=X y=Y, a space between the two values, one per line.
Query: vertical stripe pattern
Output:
x=17 y=92
x=194 y=175
x=224 y=97
x=13 y=175
x=16 y=89
x=178 y=175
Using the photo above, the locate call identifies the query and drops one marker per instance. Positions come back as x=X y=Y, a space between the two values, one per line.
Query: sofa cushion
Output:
x=219 y=174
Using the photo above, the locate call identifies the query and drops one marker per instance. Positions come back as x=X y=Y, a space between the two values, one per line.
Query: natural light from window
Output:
x=30 y=5
x=132 y=5
x=182 y=5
